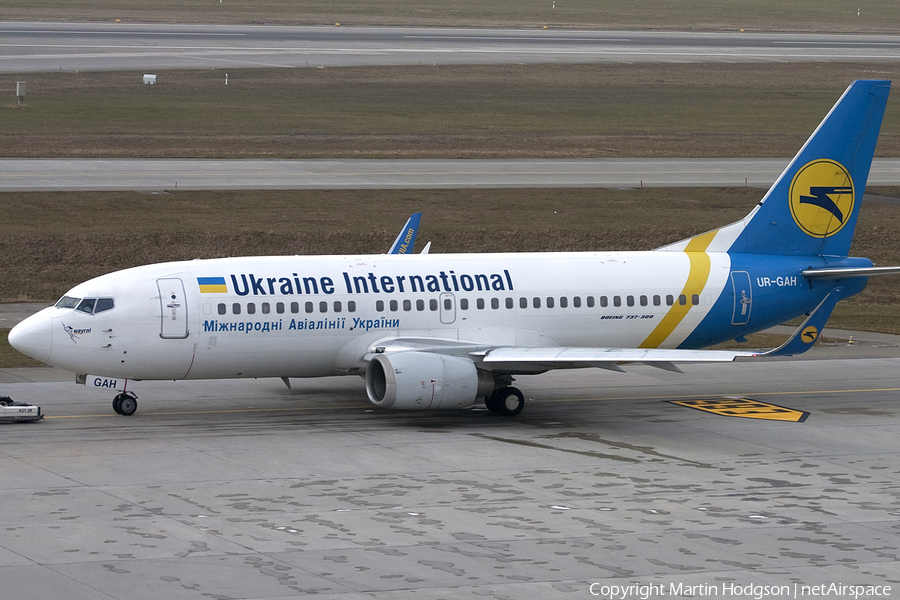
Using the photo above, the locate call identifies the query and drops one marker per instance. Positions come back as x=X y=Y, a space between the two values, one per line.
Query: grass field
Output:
x=766 y=15
x=51 y=241
x=707 y=110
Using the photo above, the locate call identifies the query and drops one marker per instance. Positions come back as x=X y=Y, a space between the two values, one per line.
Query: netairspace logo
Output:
x=736 y=590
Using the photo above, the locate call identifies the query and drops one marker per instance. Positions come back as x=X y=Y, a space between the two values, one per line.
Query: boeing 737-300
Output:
x=440 y=331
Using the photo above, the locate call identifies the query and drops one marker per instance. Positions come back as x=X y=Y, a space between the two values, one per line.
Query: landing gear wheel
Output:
x=125 y=404
x=508 y=401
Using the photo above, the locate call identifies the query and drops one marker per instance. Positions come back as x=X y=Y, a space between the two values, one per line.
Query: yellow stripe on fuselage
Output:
x=696 y=281
x=213 y=288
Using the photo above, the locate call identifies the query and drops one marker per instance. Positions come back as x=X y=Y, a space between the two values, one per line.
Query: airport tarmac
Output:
x=246 y=489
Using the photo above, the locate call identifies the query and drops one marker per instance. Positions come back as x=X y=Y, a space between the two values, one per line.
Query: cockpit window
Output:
x=68 y=302
x=86 y=305
x=104 y=304
x=90 y=306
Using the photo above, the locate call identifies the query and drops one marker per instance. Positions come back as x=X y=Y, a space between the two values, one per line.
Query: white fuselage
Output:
x=316 y=316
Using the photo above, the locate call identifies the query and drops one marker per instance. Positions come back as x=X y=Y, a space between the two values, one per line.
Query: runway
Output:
x=41 y=47
x=171 y=174
x=246 y=489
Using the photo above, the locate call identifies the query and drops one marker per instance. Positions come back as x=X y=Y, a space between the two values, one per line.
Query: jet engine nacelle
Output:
x=423 y=380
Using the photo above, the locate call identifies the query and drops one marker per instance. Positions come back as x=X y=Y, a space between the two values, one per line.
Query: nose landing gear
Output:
x=125 y=403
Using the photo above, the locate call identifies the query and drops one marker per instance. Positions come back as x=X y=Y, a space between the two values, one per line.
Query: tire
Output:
x=492 y=404
x=508 y=401
x=127 y=405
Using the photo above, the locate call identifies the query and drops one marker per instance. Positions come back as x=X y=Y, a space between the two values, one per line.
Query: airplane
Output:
x=406 y=240
x=442 y=331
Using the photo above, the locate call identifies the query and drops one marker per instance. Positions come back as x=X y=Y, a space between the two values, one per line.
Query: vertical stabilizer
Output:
x=812 y=207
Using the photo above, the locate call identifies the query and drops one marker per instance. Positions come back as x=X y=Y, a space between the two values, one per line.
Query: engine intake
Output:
x=424 y=380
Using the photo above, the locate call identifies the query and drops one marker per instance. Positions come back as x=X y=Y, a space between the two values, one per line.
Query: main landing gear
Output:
x=506 y=401
x=125 y=403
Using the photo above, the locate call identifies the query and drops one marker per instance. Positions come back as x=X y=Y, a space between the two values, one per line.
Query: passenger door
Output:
x=173 y=309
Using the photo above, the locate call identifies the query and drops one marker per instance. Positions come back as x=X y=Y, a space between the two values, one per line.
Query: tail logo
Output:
x=809 y=335
x=822 y=198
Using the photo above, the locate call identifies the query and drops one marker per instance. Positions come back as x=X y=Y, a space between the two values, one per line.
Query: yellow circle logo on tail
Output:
x=809 y=335
x=822 y=197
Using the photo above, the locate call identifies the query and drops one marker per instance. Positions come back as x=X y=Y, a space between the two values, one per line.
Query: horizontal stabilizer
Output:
x=849 y=272
x=807 y=334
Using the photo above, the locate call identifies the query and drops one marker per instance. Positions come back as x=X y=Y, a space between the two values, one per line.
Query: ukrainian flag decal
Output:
x=212 y=285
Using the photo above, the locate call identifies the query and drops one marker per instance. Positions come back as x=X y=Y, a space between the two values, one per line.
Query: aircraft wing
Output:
x=537 y=359
x=543 y=359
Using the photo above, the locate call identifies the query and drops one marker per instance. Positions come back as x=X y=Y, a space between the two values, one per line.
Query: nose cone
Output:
x=33 y=336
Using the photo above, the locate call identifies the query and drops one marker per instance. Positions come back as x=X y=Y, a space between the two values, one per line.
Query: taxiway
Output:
x=245 y=489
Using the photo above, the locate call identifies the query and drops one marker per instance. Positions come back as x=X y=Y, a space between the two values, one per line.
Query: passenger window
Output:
x=379 y=305
x=657 y=300
x=644 y=301
x=617 y=301
x=509 y=303
x=563 y=302
x=279 y=308
x=682 y=300
x=670 y=300
x=266 y=308
x=407 y=305
x=236 y=308
x=629 y=300
x=251 y=308
x=433 y=304
x=338 y=307
x=222 y=309
x=464 y=304
x=420 y=304
x=495 y=303
x=523 y=302
x=550 y=303
x=448 y=304
x=295 y=307
x=536 y=302
x=351 y=305
x=576 y=301
x=479 y=303
x=695 y=299
x=394 y=306
x=309 y=307
x=323 y=307
x=603 y=302
x=590 y=301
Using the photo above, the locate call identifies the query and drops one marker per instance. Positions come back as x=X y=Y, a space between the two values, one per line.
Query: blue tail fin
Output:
x=407 y=239
x=811 y=208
